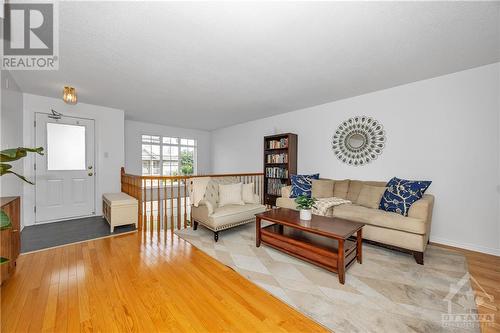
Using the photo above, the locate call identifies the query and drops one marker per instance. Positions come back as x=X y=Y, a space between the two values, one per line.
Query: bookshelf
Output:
x=280 y=163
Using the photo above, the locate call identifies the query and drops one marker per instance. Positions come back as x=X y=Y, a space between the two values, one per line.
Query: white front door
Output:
x=65 y=173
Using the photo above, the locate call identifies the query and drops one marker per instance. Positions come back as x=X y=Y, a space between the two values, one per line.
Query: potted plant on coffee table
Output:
x=305 y=204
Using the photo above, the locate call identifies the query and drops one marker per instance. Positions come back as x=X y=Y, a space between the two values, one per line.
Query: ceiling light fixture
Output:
x=69 y=95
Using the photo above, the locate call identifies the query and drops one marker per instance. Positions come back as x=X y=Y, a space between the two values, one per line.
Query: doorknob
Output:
x=90 y=167
x=90 y=173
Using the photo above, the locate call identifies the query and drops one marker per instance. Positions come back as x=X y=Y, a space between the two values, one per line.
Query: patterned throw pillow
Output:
x=302 y=184
x=401 y=194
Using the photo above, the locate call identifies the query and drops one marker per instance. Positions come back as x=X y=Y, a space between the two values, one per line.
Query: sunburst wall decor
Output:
x=358 y=140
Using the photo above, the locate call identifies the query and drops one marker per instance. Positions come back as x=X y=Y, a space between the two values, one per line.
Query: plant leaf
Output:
x=3 y=172
x=4 y=220
x=9 y=155
x=4 y=167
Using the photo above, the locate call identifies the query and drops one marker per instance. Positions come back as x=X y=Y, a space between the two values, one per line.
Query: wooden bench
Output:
x=119 y=209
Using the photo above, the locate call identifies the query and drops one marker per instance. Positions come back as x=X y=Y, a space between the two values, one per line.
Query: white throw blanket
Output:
x=323 y=204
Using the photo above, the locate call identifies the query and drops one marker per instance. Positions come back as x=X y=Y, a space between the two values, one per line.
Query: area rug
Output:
x=389 y=292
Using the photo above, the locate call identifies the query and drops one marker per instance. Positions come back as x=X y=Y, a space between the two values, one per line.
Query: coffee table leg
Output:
x=359 y=246
x=257 y=231
x=340 y=262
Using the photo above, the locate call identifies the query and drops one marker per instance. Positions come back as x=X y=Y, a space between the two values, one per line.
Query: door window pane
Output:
x=65 y=147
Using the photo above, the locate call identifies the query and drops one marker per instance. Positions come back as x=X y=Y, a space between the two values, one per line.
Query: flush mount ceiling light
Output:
x=69 y=95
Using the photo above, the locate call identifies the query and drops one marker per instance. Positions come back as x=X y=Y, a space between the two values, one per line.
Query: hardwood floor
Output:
x=133 y=283
x=485 y=272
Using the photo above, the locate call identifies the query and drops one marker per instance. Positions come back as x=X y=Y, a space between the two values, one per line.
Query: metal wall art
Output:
x=358 y=140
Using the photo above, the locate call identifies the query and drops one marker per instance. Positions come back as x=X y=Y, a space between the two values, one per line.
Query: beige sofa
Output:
x=408 y=234
x=208 y=213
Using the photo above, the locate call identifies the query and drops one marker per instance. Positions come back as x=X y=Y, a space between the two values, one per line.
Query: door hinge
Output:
x=34 y=123
x=34 y=209
x=34 y=166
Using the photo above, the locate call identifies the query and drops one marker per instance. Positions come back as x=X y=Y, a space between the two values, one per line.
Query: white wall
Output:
x=444 y=129
x=109 y=144
x=11 y=120
x=134 y=130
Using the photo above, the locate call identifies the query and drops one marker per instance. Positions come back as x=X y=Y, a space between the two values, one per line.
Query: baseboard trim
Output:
x=466 y=246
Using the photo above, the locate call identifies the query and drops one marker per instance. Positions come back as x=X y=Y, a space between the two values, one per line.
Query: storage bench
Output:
x=119 y=209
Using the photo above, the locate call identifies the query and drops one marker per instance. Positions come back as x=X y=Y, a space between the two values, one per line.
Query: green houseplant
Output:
x=14 y=154
x=305 y=204
x=10 y=155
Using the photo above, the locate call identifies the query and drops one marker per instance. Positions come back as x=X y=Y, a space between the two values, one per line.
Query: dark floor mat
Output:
x=47 y=235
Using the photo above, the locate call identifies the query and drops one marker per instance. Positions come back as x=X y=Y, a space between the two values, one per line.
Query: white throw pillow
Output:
x=230 y=195
x=247 y=194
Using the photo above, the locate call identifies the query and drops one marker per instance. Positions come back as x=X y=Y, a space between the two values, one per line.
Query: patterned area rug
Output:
x=389 y=292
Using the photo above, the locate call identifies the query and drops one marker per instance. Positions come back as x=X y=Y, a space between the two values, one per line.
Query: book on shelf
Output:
x=274 y=186
x=276 y=172
x=277 y=144
x=277 y=158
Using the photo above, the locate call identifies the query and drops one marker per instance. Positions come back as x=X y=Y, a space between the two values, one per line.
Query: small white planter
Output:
x=305 y=214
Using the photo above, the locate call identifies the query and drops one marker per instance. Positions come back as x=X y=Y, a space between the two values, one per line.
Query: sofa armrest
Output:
x=208 y=205
x=286 y=191
x=422 y=209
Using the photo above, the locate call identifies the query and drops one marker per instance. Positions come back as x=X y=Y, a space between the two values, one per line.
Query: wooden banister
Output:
x=161 y=208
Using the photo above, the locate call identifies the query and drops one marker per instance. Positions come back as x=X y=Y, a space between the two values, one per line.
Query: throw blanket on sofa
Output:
x=323 y=204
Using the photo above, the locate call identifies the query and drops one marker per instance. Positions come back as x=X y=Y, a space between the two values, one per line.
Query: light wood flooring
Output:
x=131 y=283
x=485 y=272
x=135 y=283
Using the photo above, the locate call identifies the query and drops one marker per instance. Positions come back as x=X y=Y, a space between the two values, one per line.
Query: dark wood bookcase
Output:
x=280 y=163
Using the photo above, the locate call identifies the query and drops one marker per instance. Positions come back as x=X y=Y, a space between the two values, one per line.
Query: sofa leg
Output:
x=216 y=236
x=195 y=225
x=419 y=257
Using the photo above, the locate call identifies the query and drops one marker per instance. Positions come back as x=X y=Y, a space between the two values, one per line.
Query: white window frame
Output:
x=179 y=146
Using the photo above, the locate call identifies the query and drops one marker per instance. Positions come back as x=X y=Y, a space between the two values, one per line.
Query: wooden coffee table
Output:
x=323 y=241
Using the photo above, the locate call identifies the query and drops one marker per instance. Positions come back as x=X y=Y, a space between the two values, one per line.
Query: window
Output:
x=167 y=156
x=65 y=147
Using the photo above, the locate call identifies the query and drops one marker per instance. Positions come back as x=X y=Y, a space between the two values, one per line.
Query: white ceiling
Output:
x=209 y=65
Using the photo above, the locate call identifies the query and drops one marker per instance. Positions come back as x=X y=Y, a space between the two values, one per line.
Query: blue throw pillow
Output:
x=302 y=184
x=401 y=194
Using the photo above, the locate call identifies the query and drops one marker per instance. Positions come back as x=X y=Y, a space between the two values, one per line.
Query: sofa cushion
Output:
x=340 y=188
x=286 y=203
x=354 y=189
x=232 y=214
x=286 y=191
x=380 y=218
x=401 y=194
x=370 y=196
x=230 y=194
x=248 y=195
x=356 y=185
x=301 y=184
x=322 y=188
